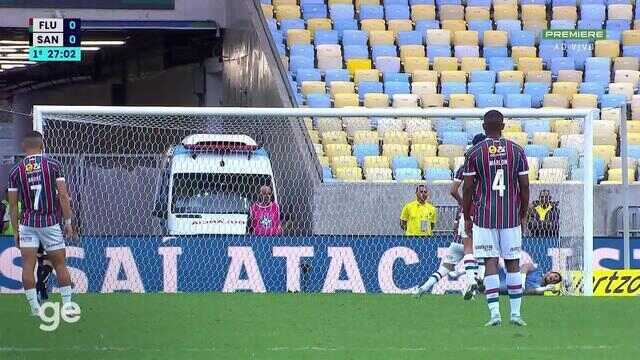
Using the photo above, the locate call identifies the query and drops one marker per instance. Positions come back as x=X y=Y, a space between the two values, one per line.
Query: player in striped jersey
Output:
x=496 y=192
x=39 y=183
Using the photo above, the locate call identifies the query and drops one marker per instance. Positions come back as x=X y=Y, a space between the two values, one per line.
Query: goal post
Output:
x=123 y=138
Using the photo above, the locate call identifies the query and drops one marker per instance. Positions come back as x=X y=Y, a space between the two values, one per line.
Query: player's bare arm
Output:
x=523 y=182
x=65 y=205
x=13 y=208
x=467 y=194
x=454 y=191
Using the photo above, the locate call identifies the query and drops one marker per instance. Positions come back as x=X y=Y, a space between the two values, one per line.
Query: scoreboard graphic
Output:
x=55 y=39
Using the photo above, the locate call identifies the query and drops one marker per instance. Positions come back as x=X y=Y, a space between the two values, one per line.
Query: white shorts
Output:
x=50 y=237
x=490 y=243
x=454 y=254
x=461 y=230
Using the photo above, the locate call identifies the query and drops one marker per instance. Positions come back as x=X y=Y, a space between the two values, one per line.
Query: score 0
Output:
x=72 y=28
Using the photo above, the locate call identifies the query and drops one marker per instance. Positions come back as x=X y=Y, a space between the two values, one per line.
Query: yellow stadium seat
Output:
x=616 y=175
x=512 y=125
x=332 y=150
x=323 y=160
x=358 y=64
x=605 y=139
x=287 y=12
x=454 y=25
x=469 y=64
x=543 y=76
x=423 y=12
x=616 y=163
x=328 y=124
x=366 y=2
x=606 y=152
x=334 y=137
x=565 y=127
x=386 y=124
x=398 y=25
x=495 y=38
x=345 y=100
x=607 y=48
x=434 y=100
x=342 y=87
x=445 y=64
x=396 y=137
x=526 y=64
x=376 y=162
x=334 y=2
x=575 y=141
x=504 y=2
x=476 y=13
x=381 y=37
x=343 y=161
x=369 y=25
x=319 y=150
x=631 y=37
x=349 y=174
x=565 y=88
x=412 y=64
x=318 y=24
x=461 y=101
x=534 y=12
x=551 y=176
x=520 y=138
x=610 y=114
x=574 y=76
x=455 y=76
x=451 y=12
x=314 y=137
x=633 y=126
x=535 y=26
x=523 y=51
x=329 y=50
x=374 y=100
x=624 y=88
x=555 y=162
x=366 y=75
x=365 y=137
x=438 y=37
x=620 y=12
x=298 y=36
x=267 y=10
x=555 y=100
x=565 y=13
x=393 y=150
x=626 y=63
x=605 y=126
x=313 y=87
x=424 y=137
x=421 y=151
x=633 y=138
x=511 y=76
x=424 y=76
x=584 y=101
x=436 y=162
x=378 y=174
x=546 y=138
x=467 y=37
x=353 y=124
x=627 y=76
x=451 y=152
x=505 y=12
x=411 y=51
x=405 y=101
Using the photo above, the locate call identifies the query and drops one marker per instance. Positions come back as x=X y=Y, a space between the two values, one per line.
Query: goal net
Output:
x=275 y=200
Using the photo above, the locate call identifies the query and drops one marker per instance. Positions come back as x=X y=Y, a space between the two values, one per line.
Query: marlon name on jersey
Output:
x=498 y=162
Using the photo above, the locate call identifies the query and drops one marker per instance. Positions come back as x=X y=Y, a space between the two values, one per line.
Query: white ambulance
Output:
x=209 y=182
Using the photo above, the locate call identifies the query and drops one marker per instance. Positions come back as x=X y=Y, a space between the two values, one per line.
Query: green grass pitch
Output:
x=321 y=326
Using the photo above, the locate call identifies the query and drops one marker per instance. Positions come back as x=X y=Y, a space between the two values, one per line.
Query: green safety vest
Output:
x=9 y=230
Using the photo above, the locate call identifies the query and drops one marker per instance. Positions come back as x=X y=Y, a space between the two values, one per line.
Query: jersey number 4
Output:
x=498 y=182
x=36 y=197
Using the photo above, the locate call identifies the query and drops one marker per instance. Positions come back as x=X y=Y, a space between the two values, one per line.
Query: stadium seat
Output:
x=570 y=76
x=517 y=101
x=519 y=138
x=371 y=12
x=332 y=75
x=501 y=63
x=337 y=162
x=412 y=64
x=348 y=174
x=407 y=174
x=551 y=176
x=504 y=88
x=422 y=151
x=612 y=100
x=445 y=64
x=435 y=51
x=366 y=75
x=404 y=162
x=592 y=12
x=307 y=74
x=396 y=12
x=476 y=88
x=383 y=50
x=345 y=24
x=536 y=90
x=555 y=101
x=318 y=101
x=469 y=64
x=561 y=63
x=424 y=137
x=455 y=138
x=483 y=76
x=388 y=64
x=550 y=50
x=489 y=100
x=546 y=138
x=409 y=38
x=495 y=52
x=449 y=88
x=536 y=150
x=433 y=174
x=424 y=25
x=366 y=87
x=341 y=12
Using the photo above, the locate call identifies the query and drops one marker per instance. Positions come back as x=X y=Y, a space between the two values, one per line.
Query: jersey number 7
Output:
x=36 y=197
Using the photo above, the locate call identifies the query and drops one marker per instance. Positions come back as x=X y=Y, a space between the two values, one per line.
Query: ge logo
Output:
x=69 y=312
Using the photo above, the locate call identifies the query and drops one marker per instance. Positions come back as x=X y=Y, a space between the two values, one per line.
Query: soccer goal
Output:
x=272 y=199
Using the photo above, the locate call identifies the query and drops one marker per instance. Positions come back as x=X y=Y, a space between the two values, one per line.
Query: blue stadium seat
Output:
x=318 y=101
x=282 y=49
x=345 y=24
x=593 y=12
x=448 y=2
x=463 y=51
x=517 y=101
x=325 y=37
x=396 y=12
x=508 y=87
x=532 y=126
x=421 y=2
x=633 y=151
x=476 y=88
x=494 y=51
x=498 y=64
x=404 y=174
x=355 y=52
x=272 y=24
x=533 y=2
x=424 y=25
x=631 y=50
x=579 y=50
x=354 y=37
x=537 y=91
x=584 y=24
x=612 y=100
x=308 y=75
x=594 y=88
x=305 y=50
x=536 y=150
x=341 y=12
x=599 y=167
x=362 y=150
x=365 y=87
x=336 y=75
x=398 y=77
x=508 y=25
x=448 y=88
x=371 y=12
x=314 y=11
x=455 y=138
x=489 y=100
x=480 y=26
x=300 y=62
x=562 y=63
x=309 y=2
x=615 y=28
x=547 y=50
x=397 y=2
x=268 y=2
x=409 y=38
x=326 y=173
x=396 y=87
x=277 y=36
x=562 y=24
x=385 y=64
x=623 y=2
x=434 y=51
x=563 y=2
x=443 y=125
x=522 y=38
x=592 y=2
x=570 y=153
x=483 y=76
x=404 y=162
x=472 y=128
x=598 y=69
x=288 y=24
x=383 y=50
x=479 y=3
x=433 y=174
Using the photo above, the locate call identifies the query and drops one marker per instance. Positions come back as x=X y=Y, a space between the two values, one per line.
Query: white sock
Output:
x=65 y=293
x=514 y=288
x=470 y=268
x=434 y=278
x=32 y=299
x=492 y=292
x=480 y=272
